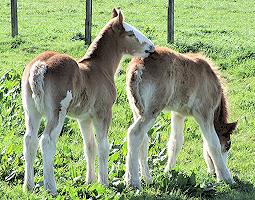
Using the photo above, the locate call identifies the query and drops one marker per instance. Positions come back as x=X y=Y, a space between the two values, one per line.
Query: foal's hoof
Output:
x=28 y=187
x=51 y=189
x=104 y=182
x=212 y=173
x=52 y=192
x=148 y=180
x=229 y=181
x=134 y=184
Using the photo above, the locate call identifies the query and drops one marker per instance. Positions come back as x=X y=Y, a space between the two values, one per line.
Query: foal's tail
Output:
x=221 y=125
x=133 y=85
x=36 y=82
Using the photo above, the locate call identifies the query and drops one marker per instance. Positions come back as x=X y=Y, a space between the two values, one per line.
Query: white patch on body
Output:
x=36 y=82
x=66 y=101
x=140 y=37
x=148 y=95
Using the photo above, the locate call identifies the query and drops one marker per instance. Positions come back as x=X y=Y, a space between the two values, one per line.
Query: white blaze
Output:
x=140 y=37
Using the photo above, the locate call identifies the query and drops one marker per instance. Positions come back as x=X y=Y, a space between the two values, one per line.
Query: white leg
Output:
x=32 y=121
x=101 y=127
x=136 y=133
x=48 y=147
x=90 y=149
x=176 y=139
x=55 y=120
x=143 y=160
x=208 y=160
x=214 y=150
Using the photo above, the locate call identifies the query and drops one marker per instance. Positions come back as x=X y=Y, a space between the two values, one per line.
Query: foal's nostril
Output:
x=152 y=48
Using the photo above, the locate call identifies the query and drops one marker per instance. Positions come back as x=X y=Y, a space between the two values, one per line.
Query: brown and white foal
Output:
x=186 y=84
x=55 y=85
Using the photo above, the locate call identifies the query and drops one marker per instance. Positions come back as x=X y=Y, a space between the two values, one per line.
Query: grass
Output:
x=223 y=30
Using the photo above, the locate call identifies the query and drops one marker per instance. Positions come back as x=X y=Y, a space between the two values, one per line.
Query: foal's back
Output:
x=179 y=82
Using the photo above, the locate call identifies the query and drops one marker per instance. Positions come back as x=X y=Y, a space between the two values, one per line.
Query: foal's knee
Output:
x=30 y=144
x=103 y=148
x=214 y=146
x=47 y=145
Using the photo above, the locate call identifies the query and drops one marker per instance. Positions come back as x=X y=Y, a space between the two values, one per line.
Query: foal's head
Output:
x=131 y=41
x=224 y=135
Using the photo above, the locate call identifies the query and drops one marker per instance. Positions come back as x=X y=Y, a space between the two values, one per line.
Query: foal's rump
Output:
x=45 y=77
x=142 y=88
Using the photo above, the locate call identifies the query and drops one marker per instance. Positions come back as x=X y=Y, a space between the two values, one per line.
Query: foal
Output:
x=55 y=85
x=186 y=84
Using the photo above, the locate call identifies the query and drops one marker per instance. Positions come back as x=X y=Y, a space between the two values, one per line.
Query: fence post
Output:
x=14 y=18
x=170 y=22
x=88 y=21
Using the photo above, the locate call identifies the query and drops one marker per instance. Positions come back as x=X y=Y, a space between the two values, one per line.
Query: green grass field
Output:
x=221 y=29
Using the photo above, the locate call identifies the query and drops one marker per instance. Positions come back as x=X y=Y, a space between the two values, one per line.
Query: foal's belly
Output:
x=79 y=111
x=183 y=109
x=181 y=103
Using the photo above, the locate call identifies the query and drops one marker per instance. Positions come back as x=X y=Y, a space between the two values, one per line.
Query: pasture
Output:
x=222 y=30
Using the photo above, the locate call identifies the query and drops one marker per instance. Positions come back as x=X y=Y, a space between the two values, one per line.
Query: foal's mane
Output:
x=93 y=50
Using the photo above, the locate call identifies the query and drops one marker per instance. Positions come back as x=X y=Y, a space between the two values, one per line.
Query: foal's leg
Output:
x=176 y=139
x=32 y=121
x=102 y=125
x=136 y=134
x=143 y=159
x=208 y=160
x=212 y=143
x=55 y=120
x=143 y=152
x=89 y=143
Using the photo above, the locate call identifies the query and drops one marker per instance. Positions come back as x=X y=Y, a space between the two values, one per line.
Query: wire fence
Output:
x=44 y=9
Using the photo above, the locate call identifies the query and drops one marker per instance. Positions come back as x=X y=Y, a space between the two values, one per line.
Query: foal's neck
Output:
x=105 y=53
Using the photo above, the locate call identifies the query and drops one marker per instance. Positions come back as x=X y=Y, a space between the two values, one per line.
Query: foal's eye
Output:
x=228 y=144
x=130 y=34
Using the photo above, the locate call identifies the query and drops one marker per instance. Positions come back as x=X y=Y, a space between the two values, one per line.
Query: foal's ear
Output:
x=114 y=13
x=120 y=16
x=118 y=21
x=231 y=127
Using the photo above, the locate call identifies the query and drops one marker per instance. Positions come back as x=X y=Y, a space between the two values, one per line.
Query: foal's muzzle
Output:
x=150 y=50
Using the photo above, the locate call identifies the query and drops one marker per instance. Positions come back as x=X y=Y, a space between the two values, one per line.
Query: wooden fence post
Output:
x=14 y=18
x=88 y=21
x=170 y=22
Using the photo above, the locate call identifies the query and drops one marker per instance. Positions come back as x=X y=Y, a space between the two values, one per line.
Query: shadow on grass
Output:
x=177 y=186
